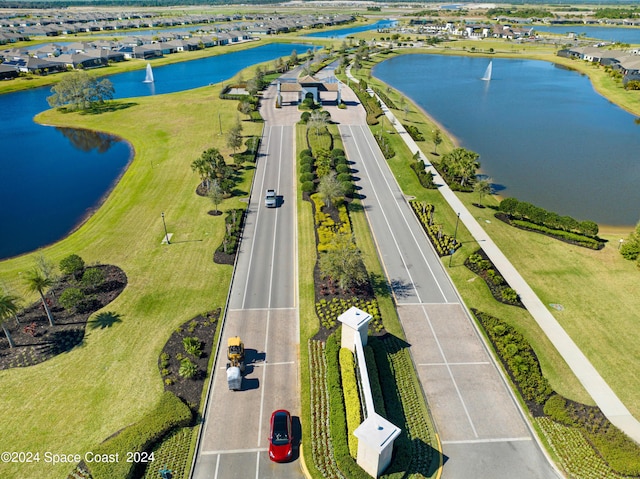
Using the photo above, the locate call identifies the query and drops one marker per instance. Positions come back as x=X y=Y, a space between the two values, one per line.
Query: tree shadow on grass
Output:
x=108 y=107
x=104 y=320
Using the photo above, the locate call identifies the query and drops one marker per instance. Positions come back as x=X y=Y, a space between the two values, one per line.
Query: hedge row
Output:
x=501 y=291
x=442 y=243
x=233 y=228
x=385 y=146
x=573 y=238
x=522 y=210
x=424 y=177
x=415 y=448
x=370 y=103
x=374 y=381
x=321 y=444
x=170 y=413
x=518 y=358
x=387 y=101
x=414 y=132
x=337 y=417
x=351 y=398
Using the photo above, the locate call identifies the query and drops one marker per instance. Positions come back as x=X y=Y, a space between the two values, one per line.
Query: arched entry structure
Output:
x=307 y=85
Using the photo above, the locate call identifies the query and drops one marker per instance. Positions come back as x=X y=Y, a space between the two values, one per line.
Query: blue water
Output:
x=51 y=179
x=345 y=32
x=543 y=134
x=629 y=35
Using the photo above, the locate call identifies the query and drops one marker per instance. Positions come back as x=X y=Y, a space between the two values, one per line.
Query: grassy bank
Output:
x=112 y=379
x=598 y=291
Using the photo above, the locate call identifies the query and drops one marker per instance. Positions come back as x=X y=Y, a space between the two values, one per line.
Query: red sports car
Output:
x=280 y=438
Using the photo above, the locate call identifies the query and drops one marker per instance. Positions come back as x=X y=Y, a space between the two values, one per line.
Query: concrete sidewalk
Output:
x=595 y=385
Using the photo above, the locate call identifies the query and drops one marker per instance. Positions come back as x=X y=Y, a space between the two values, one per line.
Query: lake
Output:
x=543 y=134
x=53 y=178
x=629 y=35
x=345 y=32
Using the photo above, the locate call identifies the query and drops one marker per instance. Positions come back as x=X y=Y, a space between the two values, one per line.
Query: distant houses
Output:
x=625 y=62
x=208 y=31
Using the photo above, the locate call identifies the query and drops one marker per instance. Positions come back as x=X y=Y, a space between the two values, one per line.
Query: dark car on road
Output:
x=280 y=437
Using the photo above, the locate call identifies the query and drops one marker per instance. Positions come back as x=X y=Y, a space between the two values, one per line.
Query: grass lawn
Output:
x=599 y=290
x=112 y=379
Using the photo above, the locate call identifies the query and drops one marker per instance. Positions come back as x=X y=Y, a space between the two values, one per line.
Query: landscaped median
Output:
x=327 y=224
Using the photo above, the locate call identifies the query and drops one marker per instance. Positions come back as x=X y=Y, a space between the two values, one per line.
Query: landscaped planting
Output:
x=328 y=311
x=171 y=412
x=351 y=398
x=533 y=218
x=172 y=454
x=519 y=360
x=443 y=243
x=424 y=177
x=574 y=452
x=338 y=420
x=480 y=264
x=226 y=252
x=321 y=445
x=326 y=227
x=416 y=451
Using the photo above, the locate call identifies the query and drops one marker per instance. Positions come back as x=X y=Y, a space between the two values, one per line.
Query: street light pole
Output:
x=166 y=235
x=455 y=234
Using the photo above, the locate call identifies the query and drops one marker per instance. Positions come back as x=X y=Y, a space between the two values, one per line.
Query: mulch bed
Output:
x=189 y=390
x=495 y=289
x=36 y=340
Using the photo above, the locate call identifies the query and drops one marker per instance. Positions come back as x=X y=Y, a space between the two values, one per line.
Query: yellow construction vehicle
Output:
x=235 y=366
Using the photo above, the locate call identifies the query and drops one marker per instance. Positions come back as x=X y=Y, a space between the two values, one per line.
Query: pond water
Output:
x=52 y=178
x=345 y=32
x=543 y=134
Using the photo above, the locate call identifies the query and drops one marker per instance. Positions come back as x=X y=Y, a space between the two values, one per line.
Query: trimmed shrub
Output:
x=351 y=398
x=306 y=152
x=306 y=168
x=307 y=177
x=308 y=187
x=188 y=369
x=337 y=152
x=72 y=265
x=193 y=346
x=92 y=278
x=307 y=160
x=170 y=413
x=71 y=298
x=342 y=168
x=342 y=177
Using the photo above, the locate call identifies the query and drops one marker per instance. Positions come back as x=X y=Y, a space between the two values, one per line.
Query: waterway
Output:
x=51 y=179
x=346 y=32
x=543 y=134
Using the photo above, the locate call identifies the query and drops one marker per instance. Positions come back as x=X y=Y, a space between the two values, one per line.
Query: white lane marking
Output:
x=253 y=240
x=497 y=439
x=217 y=465
x=384 y=214
x=234 y=451
x=257 y=365
x=453 y=380
x=406 y=221
x=474 y=363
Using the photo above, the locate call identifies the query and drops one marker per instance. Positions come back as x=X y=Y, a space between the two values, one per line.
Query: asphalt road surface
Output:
x=483 y=431
x=263 y=311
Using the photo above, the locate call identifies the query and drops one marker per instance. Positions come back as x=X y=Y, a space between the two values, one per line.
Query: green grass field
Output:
x=599 y=290
x=112 y=379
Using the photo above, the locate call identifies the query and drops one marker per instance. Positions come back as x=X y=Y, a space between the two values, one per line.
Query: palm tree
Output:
x=483 y=187
x=8 y=308
x=37 y=281
x=330 y=189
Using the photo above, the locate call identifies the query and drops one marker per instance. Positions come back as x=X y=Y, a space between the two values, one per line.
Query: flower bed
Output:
x=443 y=244
x=328 y=311
x=322 y=448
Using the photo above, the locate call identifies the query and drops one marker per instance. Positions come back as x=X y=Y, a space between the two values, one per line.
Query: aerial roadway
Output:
x=484 y=432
